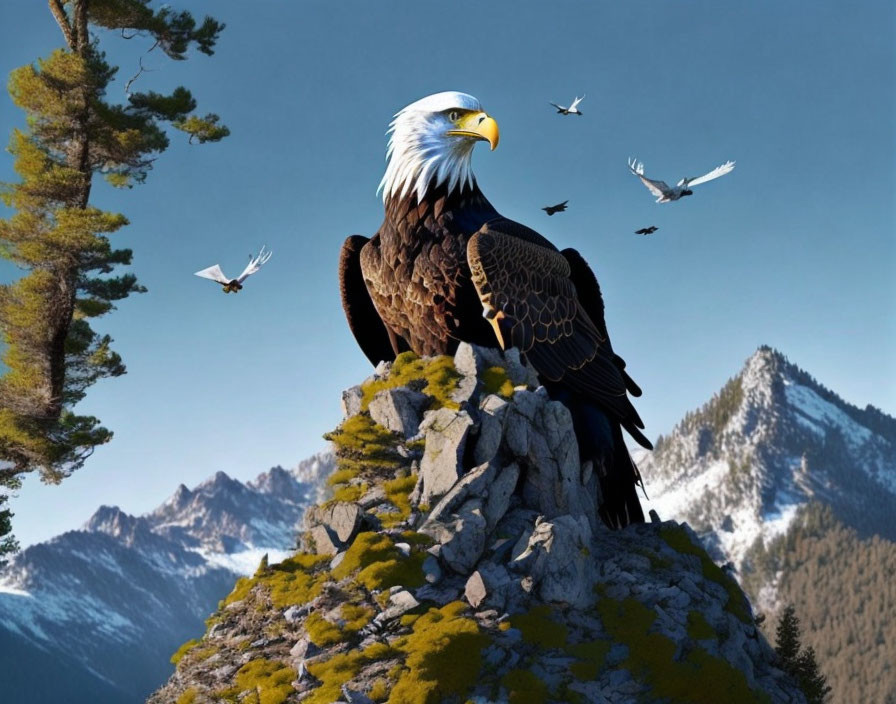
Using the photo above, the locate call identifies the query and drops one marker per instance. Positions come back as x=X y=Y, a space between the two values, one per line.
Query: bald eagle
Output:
x=446 y=267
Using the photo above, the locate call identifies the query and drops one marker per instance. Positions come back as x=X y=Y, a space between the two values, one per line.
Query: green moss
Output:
x=240 y=591
x=652 y=660
x=523 y=687
x=364 y=445
x=270 y=680
x=539 y=629
x=341 y=476
x=349 y=493
x=496 y=381
x=183 y=650
x=379 y=692
x=188 y=696
x=397 y=491
x=437 y=376
x=442 y=657
x=321 y=632
x=698 y=626
x=339 y=669
x=380 y=564
x=591 y=658
x=737 y=603
x=297 y=580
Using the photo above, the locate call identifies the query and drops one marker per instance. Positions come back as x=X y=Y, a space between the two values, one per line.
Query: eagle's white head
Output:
x=431 y=142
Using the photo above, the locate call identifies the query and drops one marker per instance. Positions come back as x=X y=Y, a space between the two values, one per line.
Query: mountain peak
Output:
x=111 y=520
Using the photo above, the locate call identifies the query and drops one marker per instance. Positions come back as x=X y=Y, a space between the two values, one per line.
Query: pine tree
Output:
x=802 y=666
x=787 y=640
x=52 y=354
x=813 y=683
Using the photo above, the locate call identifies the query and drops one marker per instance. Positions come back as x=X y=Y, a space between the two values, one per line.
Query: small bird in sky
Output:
x=572 y=109
x=559 y=208
x=666 y=193
x=235 y=285
x=647 y=230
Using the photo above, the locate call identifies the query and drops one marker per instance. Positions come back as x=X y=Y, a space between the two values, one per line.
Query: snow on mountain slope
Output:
x=772 y=440
x=117 y=597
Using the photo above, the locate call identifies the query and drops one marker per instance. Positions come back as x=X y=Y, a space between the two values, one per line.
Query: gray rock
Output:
x=341 y=518
x=466 y=389
x=446 y=437
x=432 y=573
x=373 y=497
x=475 y=483
x=325 y=542
x=491 y=428
x=400 y=603
x=520 y=373
x=557 y=556
x=351 y=401
x=462 y=536
x=499 y=494
x=475 y=590
x=352 y=696
x=399 y=410
x=472 y=360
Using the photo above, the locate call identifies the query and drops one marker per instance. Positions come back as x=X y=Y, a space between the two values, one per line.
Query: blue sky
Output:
x=796 y=248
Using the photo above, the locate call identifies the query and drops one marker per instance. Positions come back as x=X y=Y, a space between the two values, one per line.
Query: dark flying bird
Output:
x=235 y=285
x=572 y=109
x=666 y=193
x=559 y=208
x=446 y=267
x=646 y=230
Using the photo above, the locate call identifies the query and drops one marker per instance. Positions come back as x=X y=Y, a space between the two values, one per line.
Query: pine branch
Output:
x=62 y=20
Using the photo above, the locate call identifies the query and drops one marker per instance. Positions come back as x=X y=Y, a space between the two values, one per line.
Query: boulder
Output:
x=446 y=434
x=399 y=410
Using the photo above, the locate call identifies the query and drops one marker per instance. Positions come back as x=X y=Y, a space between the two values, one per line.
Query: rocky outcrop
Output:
x=462 y=559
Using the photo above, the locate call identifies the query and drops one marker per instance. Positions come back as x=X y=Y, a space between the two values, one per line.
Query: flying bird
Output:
x=646 y=230
x=446 y=267
x=235 y=285
x=559 y=208
x=572 y=109
x=665 y=193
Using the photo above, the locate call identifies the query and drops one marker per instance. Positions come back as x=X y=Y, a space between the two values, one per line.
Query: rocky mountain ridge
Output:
x=461 y=559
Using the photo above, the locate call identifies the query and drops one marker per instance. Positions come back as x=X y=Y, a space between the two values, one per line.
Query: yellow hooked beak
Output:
x=477 y=125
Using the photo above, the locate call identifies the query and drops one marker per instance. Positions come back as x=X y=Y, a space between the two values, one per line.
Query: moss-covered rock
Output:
x=641 y=614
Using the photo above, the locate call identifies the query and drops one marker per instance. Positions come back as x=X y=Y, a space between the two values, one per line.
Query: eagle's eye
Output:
x=453 y=115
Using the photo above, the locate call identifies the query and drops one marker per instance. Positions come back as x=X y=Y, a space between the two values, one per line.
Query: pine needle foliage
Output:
x=798 y=663
x=73 y=132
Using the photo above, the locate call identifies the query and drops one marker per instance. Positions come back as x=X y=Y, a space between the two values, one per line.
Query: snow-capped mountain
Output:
x=773 y=440
x=796 y=488
x=93 y=615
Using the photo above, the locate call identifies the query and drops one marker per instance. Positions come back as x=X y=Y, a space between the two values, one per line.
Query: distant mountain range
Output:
x=93 y=615
x=796 y=488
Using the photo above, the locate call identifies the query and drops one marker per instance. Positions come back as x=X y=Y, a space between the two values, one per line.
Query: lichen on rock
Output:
x=461 y=559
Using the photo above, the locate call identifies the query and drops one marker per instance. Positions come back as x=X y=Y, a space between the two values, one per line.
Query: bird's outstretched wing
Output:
x=576 y=102
x=528 y=294
x=559 y=107
x=214 y=273
x=254 y=265
x=725 y=168
x=658 y=188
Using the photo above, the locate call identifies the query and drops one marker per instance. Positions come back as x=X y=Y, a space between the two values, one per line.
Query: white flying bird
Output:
x=572 y=109
x=664 y=193
x=235 y=285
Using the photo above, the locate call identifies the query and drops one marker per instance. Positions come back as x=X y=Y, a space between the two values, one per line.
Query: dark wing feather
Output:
x=375 y=340
x=590 y=296
x=527 y=292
